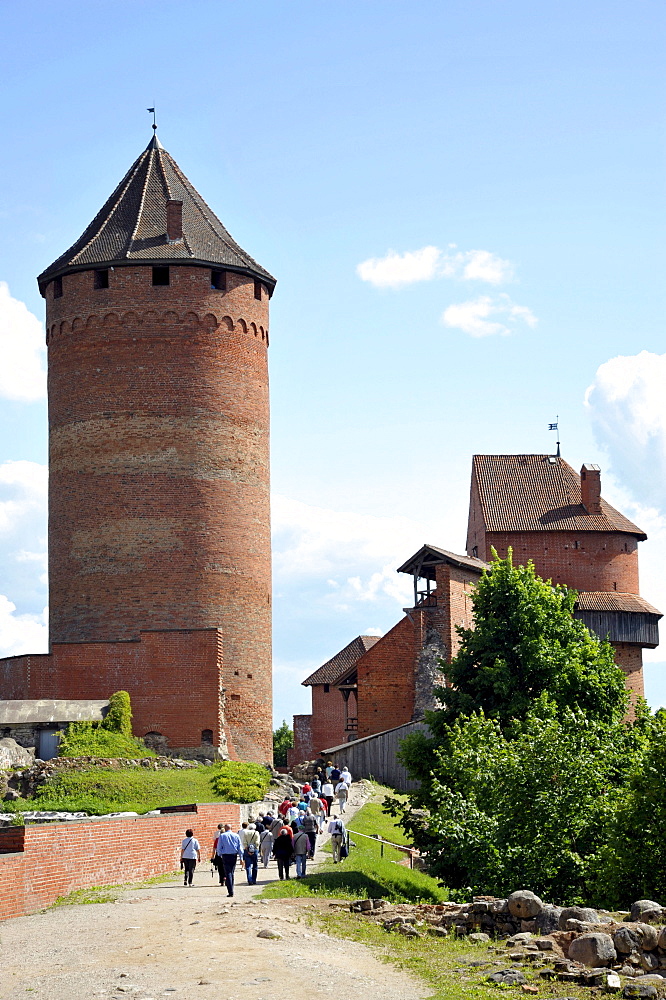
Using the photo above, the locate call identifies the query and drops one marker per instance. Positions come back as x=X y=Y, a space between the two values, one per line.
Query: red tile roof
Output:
x=340 y=664
x=613 y=601
x=538 y=493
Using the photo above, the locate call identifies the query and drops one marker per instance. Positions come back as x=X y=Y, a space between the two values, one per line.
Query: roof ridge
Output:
x=141 y=204
x=129 y=177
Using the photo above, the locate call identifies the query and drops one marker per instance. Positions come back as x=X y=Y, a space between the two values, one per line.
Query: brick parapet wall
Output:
x=60 y=858
x=174 y=680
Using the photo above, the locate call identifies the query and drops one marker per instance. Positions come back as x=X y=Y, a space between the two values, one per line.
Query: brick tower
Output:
x=159 y=521
x=541 y=508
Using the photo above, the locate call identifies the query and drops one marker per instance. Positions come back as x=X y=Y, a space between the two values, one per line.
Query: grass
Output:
x=105 y=893
x=446 y=964
x=99 y=790
x=365 y=874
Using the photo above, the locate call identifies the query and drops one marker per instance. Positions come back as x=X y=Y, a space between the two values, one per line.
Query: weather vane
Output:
x=152 y=111
x=556 y=427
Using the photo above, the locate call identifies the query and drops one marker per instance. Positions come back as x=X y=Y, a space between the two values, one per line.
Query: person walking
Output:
x=266 y=846
x=250 y=841
x=311 y=828
x=341 y=793
x=283 y=850
x=190 y=853
x=301 y=848
x=328 y=794
x=317 y=810
x=338 y=832
x=335 y=775
x=229 y=850
x=345 y=775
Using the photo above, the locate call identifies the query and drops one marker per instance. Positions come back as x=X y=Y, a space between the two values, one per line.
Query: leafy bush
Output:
x=90 y=739
x=234 y=781
x=119 y=717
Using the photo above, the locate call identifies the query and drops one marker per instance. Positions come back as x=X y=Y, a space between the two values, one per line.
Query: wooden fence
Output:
x=376 y=756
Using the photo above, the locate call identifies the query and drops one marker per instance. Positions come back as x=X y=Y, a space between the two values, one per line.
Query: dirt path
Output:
x=166 y=940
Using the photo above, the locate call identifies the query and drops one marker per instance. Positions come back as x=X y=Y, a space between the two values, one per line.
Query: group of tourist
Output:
x=288 y=837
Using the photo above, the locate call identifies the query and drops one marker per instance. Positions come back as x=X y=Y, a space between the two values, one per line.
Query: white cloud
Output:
x=26 y=633
x=23 y=499
x=395 y=269
x=627 y=406
x=485 y=316
x=340 y=551
x=22 y=351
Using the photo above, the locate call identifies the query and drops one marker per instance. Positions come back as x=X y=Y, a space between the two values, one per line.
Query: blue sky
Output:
x=463 y=204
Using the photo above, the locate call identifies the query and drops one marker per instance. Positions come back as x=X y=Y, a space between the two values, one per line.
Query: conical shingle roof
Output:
x=131 y=227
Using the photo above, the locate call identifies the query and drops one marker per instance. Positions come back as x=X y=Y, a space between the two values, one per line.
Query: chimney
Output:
x=174 y=221
x=590 y=488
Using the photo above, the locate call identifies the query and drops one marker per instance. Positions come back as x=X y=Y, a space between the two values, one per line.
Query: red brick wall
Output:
x=328 y=717
x=60 y=858
x=303 y=748
x=602 y=561
x=159 y=476
x=386 y=679
x=173 y=678
x=454 y=588
x=630 y=658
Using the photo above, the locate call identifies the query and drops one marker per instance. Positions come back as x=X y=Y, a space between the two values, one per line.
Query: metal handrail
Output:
x=380 y=840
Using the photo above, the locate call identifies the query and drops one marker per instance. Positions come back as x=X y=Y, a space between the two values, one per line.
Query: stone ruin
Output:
x=622 y=952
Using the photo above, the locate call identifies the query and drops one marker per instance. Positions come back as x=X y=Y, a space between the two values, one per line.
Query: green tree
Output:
x=526 y=642
x=283 y=740
x=532 y=808
x=529 y=757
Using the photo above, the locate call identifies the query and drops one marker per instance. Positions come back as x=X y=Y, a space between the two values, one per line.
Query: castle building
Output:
x=159 y=542
x=538 y=506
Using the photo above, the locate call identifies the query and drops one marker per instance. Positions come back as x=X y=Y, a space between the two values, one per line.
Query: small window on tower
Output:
x=327 y=688
x=57 y=288
x=102 y=278
x=218 y=280
x=160 y=275
x=475 y=551
x=257 y=290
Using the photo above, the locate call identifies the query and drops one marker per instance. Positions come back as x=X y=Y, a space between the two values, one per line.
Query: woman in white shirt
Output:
x=190 y=853
x=327 y=793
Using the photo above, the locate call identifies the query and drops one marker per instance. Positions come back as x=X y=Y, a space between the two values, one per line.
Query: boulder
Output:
x=649 y=961
x=508 y=977
x=14 y=755
x=479 y=938
x=270 y=934
x=662 y=939
x=594 y=950
x=549 y=919
x=648 y=936
x=583 y=913
x=524 y=904
x=643 y=990
x=625 y=940
x=646 y=910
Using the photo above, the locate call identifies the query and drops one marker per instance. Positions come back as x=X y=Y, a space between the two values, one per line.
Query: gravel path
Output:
x=166 y=940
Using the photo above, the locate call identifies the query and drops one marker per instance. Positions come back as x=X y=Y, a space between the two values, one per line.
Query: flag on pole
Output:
x=552 y=427
x=152 y=110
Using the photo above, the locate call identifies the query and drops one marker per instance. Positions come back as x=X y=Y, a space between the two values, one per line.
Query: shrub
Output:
x=89 y=739
x=234 y=781
x=119 y=717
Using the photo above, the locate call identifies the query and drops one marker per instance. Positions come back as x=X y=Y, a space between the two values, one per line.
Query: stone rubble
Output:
x=571 y=944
